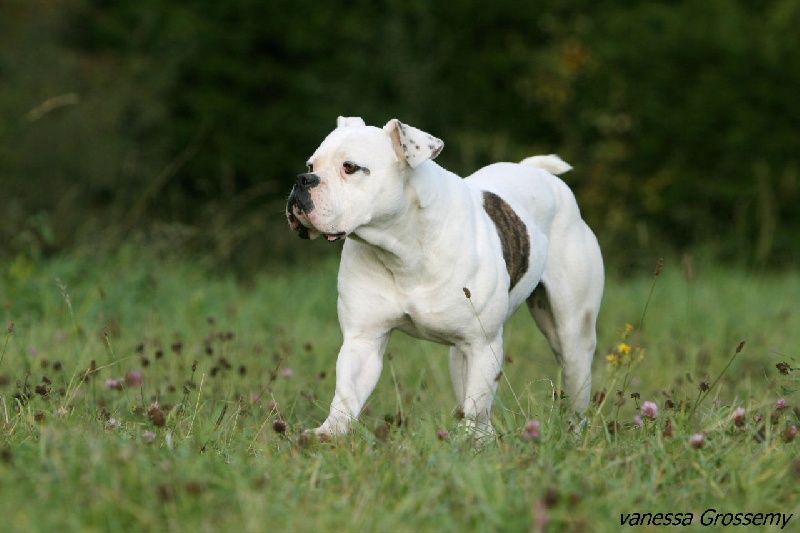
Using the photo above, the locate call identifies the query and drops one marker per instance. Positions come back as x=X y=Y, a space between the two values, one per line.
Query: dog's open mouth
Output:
x=299 y=222
x=333 y=237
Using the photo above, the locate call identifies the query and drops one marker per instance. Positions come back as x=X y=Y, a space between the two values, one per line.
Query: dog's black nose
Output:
x=307 y=180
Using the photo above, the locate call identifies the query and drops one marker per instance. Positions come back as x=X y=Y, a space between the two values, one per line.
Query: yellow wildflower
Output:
x=624 y=348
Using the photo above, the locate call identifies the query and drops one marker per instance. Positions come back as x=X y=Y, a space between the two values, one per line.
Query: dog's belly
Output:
x=410 y=327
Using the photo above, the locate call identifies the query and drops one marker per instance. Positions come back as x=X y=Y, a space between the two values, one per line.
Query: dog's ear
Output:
x=411 y=144
x=347 y=122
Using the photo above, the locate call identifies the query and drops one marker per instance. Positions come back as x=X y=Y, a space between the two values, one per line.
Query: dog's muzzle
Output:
x=301 y=192
x=300 y=204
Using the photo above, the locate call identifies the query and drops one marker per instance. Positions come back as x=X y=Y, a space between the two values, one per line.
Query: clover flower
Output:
x=739 y=417
x=532 y=430
x=115 y=384
x=134 y=378
x=649 y=410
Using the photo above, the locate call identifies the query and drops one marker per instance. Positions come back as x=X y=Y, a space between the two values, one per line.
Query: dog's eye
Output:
x=350 y=168
x=310 y=167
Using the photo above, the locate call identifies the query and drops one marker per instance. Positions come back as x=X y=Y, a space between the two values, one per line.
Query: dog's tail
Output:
x=551 y=163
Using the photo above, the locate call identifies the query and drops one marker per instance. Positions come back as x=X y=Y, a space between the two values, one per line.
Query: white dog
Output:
x=447 y=259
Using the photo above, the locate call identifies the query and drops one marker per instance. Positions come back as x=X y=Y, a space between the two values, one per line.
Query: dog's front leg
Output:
x=358 y=368
x=483 y=365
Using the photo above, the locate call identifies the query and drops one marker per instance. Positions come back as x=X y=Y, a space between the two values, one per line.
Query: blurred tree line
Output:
x=183 y=124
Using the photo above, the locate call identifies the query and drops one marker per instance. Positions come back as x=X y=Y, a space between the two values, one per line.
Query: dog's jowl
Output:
x=416 y=236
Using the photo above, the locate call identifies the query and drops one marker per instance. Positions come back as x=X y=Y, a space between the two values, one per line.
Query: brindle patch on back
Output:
x=513 y=234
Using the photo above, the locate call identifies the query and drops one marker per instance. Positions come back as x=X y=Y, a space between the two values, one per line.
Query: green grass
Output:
x=77 y=455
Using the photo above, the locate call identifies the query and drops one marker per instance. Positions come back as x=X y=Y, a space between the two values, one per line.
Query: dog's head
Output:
x=357 y=177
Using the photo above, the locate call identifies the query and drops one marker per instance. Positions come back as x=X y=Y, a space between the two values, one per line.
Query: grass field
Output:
x=139 y=394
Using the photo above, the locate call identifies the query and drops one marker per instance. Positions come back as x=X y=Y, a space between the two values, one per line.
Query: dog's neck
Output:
x=423 y=218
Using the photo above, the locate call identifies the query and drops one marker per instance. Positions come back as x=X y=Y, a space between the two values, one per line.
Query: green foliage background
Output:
x=183 y=123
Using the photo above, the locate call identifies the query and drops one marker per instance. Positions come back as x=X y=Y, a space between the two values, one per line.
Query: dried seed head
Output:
x=467 y=293
x=6 y=455
x=659 y=267
x=156 y=416
x=165 y=493
x=279 y=426
x=382 y=432
x=784 y=368
x=789 y=434
x=551 y=497
x=194 y=488
x=304 y=440
x=599 y=396
x=669 y=430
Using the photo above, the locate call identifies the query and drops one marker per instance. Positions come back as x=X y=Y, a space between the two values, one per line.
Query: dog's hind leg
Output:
x=565 y=306
x=458 y=374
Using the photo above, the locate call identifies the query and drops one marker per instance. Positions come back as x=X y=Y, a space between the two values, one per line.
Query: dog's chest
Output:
x=430 y=323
